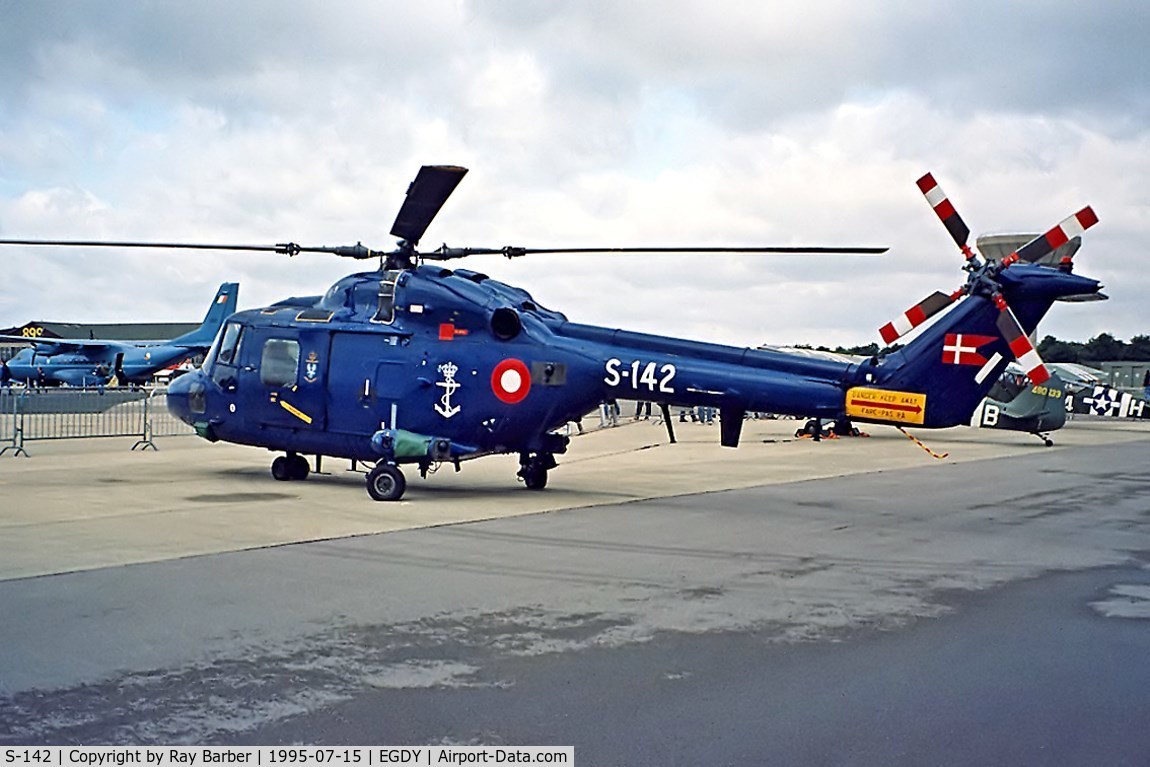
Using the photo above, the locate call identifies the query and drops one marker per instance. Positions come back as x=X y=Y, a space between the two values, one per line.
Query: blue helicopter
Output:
x=93 y=362
x=414 y=363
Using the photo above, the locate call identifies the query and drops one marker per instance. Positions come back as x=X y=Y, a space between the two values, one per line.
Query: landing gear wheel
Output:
x=290 y=467
x=385 y=482
x=298 y=467
x=1048 y=441
x=813 y=429
x=282 y=469
x=535 y=477
x=844 y=428
x=533 y=469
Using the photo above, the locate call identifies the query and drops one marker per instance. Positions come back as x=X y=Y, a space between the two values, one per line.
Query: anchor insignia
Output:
x=449 y=386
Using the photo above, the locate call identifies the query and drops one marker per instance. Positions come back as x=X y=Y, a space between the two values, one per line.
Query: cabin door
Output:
x=283 y=380
x=372 y=375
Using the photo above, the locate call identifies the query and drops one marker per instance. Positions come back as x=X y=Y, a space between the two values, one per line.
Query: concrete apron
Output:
x=87 y=504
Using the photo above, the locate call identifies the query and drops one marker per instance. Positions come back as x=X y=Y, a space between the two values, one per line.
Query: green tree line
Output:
x=1102 y=348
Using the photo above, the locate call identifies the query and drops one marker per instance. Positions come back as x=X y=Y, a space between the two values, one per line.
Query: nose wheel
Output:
x=385 y=482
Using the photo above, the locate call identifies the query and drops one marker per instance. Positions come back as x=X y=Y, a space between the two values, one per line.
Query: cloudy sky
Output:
x=678 y=122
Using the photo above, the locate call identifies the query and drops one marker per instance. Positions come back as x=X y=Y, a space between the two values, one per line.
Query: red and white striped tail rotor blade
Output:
x=1019 y=343
x=1070 y=227
x=946 y=213
x=917 y=314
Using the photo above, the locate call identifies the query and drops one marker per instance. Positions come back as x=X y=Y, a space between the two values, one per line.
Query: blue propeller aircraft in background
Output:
x=82 y=362
x=418 y=364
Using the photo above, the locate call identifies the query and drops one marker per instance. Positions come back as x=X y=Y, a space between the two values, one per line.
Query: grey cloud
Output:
x=217 y=52
x=752 y=63
x=584 y=123
x=747 y=64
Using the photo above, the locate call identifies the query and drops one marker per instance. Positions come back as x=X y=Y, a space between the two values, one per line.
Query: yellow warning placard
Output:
x=886 y=405
x=296 y=412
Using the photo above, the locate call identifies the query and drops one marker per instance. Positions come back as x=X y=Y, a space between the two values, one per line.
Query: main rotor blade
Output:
x=802 y=249
x=444 y=253
x=284 y=248
x=358 y=251
x=426 y=195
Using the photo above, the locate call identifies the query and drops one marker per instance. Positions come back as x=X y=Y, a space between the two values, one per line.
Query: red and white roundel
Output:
x=511 y=380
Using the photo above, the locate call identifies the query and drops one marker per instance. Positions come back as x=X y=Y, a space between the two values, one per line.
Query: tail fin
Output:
x=223 y=306
x=956 y=361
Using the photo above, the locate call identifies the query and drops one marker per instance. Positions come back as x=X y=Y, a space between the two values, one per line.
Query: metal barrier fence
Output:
x=29 y=414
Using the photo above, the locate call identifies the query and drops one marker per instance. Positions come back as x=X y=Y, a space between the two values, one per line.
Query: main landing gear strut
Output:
x=385 y=481
x=533 y=468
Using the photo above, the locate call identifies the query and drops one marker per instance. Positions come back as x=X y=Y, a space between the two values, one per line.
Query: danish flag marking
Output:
x=962 y=348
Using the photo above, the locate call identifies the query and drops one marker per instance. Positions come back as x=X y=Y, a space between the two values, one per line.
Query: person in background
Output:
x=608 y=414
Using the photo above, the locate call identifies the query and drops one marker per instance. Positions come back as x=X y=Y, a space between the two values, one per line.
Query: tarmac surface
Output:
x=789 y=602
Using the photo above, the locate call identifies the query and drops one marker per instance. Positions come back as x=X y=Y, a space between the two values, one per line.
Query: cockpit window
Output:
x=279 y=363
x=230 y=343
x=385 y=311
x=210 y=357
x=337 y=296
x=1009 y=386
x=221 y=359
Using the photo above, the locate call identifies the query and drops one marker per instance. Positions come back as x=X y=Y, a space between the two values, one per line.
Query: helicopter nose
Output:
x=188 y=401
x=181 y=392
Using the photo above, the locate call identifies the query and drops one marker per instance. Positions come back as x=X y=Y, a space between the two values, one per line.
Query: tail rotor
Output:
x=947 y=214
x=984 y=275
